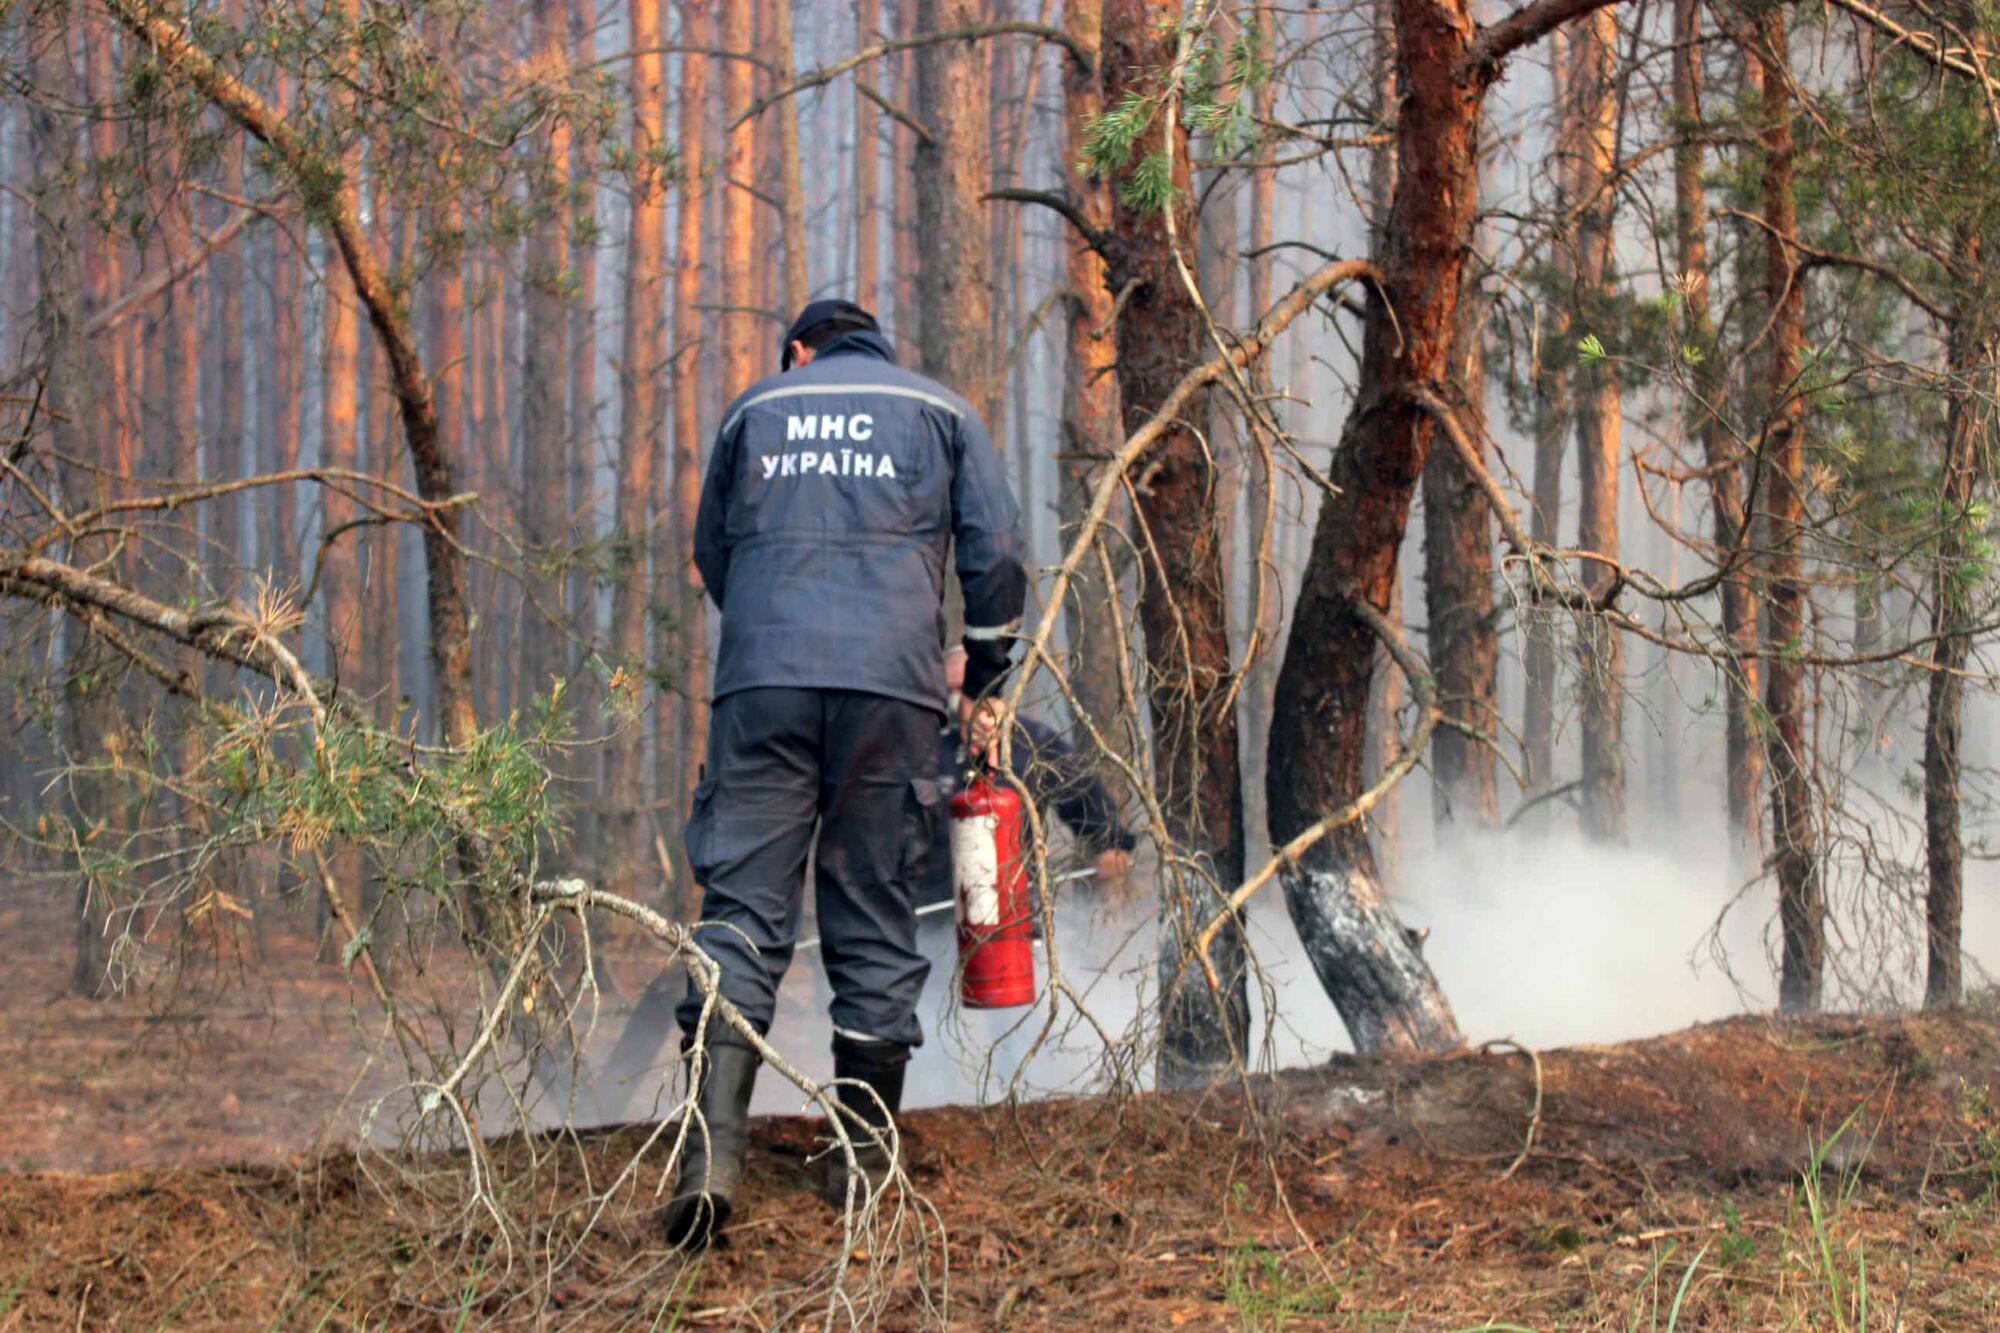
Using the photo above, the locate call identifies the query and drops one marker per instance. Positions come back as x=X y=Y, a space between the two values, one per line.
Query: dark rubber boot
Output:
x=712 y=1163
x=879 y=1065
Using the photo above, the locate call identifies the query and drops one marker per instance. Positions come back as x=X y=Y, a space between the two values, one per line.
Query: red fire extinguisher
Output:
x=990 y=876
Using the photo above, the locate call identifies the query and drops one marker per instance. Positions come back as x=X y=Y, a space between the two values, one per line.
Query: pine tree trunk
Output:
x=954 y=281
x=688 y=365
x=1743 y=749
x=1458 y=602
x=1388 y=693
x=1090 y=409
x=867 y=167
x=1801 y=905
x=1599 y=417
x=580 y=598
x=1182 y=602
x=1267 y=517
x=448 y=349
x=61 y=235
x=544 y=381
x=792 y=187
x=740 y=359
x=1384 y=991
x=1971 y=346
x=226 y=428
x=689 y=377
x=1552 y=416
x=644 y=353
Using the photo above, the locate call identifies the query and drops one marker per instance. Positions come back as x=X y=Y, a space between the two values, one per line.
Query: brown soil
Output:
x=1665 y=1169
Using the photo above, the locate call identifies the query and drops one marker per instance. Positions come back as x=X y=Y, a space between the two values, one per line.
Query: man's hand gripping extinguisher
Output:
x=989 y=870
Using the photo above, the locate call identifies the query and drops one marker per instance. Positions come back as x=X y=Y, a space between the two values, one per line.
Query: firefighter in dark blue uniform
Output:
x=833 y=494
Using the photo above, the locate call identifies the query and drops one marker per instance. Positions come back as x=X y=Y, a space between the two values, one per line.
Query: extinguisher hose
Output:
x=1087 y=872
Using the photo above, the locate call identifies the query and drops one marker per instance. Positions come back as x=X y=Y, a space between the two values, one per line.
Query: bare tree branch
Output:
x=826 y=74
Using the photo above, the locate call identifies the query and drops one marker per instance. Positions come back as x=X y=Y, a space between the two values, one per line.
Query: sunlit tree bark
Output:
x=1592 y=140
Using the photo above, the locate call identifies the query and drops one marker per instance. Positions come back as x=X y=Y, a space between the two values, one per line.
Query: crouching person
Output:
x=833 y=494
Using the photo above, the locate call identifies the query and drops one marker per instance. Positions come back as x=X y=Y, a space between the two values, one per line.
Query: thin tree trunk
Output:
x=1552 y=416
x=638 y=445
x=225 y=430
x=1090 y=408
x=792 y=187
x=1972 y=345
x=580 y=598
x=544 y=380
x=448 y=343
x=688 y=365
x=1744 y=751
x=1387 y=695
x=1458 y=602
x=60 y=235
x=867 y=168
x=1801 y=906
x=1266 y=517
x=1599 y=417
x=740 y=361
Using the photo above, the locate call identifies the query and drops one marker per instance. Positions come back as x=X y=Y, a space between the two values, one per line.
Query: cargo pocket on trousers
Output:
x=920 y=828
x=699 y=835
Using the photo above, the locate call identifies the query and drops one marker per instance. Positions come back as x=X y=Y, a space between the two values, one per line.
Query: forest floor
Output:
x=1837 y=1173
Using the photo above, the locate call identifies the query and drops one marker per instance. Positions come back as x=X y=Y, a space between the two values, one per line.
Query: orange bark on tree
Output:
x=625 y=844
x=1592 y=139
x=953 y=247
x=1801 y=901
x=1091 y=430
x=688 y=363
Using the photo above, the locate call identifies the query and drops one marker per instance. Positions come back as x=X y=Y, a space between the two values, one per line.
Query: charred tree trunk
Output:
x=1182 y=606
x=1972 y=345
x=1801 y=905
x=1383 y=989
x=638 y=446
x=1599 y=416
x=1744 y=751
x=1458 y=602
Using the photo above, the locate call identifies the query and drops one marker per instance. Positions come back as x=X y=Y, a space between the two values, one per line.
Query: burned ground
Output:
x=1667 y=1182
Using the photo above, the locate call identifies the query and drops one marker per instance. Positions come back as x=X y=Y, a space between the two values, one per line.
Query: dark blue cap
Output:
x=844 y=313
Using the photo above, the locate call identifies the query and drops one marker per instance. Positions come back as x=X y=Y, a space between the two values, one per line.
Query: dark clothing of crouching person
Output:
x=833 y=494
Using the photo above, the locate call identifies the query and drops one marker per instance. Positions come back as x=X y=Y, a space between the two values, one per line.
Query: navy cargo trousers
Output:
x=860 y=766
